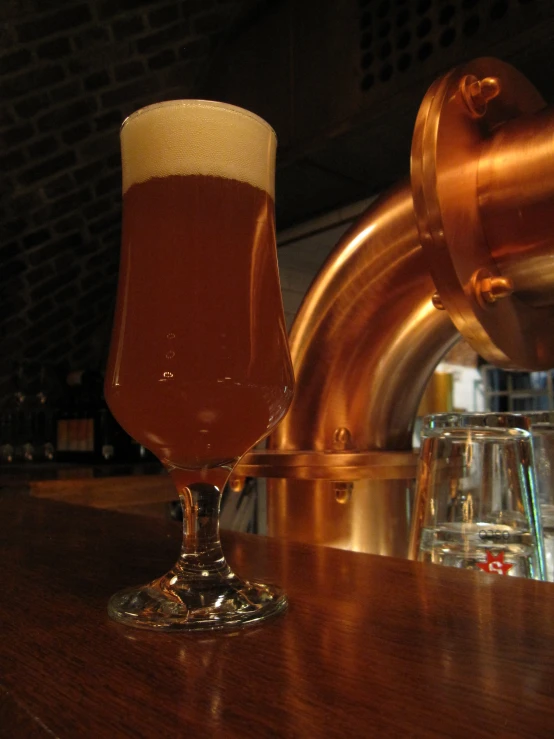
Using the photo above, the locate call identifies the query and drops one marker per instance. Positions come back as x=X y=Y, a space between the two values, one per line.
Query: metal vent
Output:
x=400 y=35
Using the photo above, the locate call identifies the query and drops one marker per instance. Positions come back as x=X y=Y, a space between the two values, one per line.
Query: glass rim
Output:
x=484 y=420
x=199 y=103
x=540 y=418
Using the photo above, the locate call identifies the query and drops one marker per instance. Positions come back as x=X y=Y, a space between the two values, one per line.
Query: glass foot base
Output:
x=169 y=604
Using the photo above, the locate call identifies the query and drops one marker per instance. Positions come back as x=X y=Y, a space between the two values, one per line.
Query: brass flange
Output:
x=460 y=115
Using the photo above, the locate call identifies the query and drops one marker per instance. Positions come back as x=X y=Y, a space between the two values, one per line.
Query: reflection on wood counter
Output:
x=371 y=646
x=145 y=489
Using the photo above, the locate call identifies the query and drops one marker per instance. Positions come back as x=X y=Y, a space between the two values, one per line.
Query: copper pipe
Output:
x=363 y=345
x=367 y=337
x=368 y=334
x=516 y=202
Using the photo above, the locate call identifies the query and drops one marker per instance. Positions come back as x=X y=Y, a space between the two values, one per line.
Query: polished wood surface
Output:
x=371 y=646
x=132 y=488
x=117 y=493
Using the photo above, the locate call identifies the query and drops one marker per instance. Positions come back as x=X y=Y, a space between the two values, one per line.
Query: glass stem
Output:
x=201 y=553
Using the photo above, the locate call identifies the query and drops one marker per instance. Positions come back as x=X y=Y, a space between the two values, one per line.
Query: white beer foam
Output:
x=198 y=137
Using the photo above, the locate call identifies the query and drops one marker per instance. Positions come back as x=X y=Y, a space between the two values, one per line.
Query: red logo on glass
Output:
x=495 y=564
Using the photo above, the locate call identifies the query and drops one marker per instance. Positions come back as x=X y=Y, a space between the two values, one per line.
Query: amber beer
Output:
x=196 y=343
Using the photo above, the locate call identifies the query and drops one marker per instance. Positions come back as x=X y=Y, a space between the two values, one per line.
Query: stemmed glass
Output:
x=199 y=367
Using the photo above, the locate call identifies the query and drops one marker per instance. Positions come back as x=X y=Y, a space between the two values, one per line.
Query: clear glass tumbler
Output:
x=542 y=428
x=476 y=505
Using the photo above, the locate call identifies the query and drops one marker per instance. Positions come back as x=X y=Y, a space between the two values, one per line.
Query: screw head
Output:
x=343 y=492
x=437 y=302
x=342 y=439
x=236 y=483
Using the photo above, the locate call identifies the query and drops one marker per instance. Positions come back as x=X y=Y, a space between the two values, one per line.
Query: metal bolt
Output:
x=437 y=302
x=495 y=288
x=342 y=439
x=343 y=492
x=489 y=87
x=490 y=288
x=477 y=93
x=236 y=483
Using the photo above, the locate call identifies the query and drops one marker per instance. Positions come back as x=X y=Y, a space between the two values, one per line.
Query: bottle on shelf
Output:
x=7 y=451
x=76 y=417
x=52 y=414
x=86 y=430
x=19 y=444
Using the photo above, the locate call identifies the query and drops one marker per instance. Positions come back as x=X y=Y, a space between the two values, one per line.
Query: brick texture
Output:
x=68 y=77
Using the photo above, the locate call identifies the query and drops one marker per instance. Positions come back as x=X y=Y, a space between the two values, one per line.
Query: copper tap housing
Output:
x=472 y=234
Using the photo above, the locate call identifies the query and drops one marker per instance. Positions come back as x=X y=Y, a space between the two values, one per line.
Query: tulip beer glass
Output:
x=199 y=367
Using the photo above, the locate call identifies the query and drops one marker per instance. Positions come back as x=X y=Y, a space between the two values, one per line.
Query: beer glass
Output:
x=199 y=368
x=476 y=505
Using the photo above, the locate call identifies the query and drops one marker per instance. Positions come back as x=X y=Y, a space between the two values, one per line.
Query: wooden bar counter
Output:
x=370 y=647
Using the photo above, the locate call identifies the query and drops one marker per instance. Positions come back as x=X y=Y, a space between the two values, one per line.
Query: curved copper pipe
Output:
x=367 y=337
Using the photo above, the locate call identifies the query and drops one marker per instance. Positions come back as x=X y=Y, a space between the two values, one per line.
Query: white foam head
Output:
x=198 y=137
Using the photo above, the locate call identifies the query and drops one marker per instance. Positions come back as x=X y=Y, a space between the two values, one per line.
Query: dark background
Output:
x=340 y=80
x=70 y=73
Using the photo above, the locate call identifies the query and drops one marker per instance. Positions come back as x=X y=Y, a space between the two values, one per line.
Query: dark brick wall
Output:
x=70 y=72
